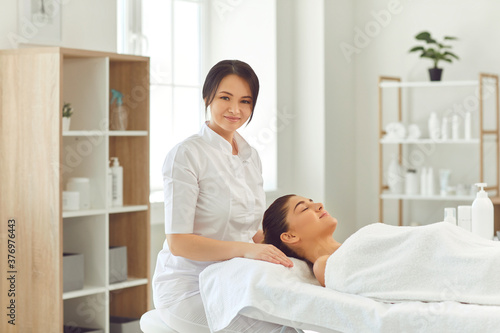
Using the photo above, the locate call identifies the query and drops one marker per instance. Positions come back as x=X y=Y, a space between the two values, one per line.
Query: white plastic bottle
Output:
x=482 y=223
x=434 y=129
x=411 y=182
x=455 y=125
x=445 y=129
x=423 y=182
x=467 y=126
x=117 y=186
x=109 y=186
x=395 y=177
x=430 y=181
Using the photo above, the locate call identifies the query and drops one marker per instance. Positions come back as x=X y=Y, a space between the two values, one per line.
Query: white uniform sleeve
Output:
x=180 y=188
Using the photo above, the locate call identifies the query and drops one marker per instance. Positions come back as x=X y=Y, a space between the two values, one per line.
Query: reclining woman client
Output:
x=435 y=262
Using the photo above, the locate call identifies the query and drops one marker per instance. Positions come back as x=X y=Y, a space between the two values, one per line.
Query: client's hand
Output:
x=267 y=252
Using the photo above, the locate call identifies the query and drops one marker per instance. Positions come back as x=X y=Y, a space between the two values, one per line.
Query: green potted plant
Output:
x=435 y=51
x=67 y=111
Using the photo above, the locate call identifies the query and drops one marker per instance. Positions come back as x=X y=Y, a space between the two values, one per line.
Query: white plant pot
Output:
x=65 y=124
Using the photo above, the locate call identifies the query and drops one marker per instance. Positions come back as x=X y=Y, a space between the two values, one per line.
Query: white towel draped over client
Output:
x=436 y=262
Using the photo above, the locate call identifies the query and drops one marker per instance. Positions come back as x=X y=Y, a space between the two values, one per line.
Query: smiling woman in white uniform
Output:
x=214 y=203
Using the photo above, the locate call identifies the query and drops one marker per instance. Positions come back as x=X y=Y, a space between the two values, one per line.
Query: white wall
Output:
x=386 y=53
x=340 y=121
x=86 y=24
x=309 y=99
x=316 y=152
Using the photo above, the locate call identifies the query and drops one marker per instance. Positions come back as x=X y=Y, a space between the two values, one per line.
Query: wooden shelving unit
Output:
x=386 y=82
x=39 y=158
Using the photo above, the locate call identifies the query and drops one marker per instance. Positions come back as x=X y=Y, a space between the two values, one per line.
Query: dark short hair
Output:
x=274 y=224
x=221 y=70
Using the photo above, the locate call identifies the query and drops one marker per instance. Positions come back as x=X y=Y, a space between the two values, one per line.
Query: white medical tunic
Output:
x=208 y=192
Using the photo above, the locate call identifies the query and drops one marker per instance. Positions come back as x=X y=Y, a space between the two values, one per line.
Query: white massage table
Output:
x=292 y=297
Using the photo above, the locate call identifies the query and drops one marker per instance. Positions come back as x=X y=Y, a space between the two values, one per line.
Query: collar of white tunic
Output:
x=217 y=141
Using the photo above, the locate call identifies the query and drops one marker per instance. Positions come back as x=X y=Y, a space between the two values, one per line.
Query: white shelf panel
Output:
x=87 y=290
x=85 y=133
x=126 y=209
x=425 y=141
x=77 y=213
x=128 y=133
x=466 y=83
x=431 y=197
x=131 y=282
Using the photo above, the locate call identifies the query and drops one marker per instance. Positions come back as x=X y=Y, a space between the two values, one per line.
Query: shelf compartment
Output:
x=87 y=311
x=88 y=235
x=84 y=157
x=85 y=84
x=132 y=230
x=131 y=78
x=129 y=302
x=135 y=162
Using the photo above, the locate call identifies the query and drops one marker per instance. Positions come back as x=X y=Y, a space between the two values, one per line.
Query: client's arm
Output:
x=319 y=269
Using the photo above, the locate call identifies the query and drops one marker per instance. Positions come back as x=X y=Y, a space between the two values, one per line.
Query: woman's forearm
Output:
x=201 y=248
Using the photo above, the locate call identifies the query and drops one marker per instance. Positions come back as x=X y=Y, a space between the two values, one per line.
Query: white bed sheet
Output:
x=292 y=297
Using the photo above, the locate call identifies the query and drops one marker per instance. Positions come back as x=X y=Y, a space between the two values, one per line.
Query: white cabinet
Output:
x=477 y=157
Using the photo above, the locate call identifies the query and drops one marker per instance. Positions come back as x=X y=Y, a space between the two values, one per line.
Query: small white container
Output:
x=434 y=129
x=445 y=129
x=71 y=200
x=464 y=217
x=82 y=186
x=450 y=215
x=411 y=182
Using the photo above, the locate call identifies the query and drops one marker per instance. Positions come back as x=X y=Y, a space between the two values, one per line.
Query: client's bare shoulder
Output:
x=319 y=269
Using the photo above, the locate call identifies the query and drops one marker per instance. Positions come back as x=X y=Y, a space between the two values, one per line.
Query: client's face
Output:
x=309 y=219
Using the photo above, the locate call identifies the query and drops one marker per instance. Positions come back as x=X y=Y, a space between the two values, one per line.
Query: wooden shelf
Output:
x=87 y=290
x=430 y=198
x=485 y=139
x=427 y=141
x=35 y=82
x=430 y=84
x=128 y=133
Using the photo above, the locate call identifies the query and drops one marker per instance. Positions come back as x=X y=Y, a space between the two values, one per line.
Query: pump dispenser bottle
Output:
x=117 y=187
x=482 y=223
x=119 y=116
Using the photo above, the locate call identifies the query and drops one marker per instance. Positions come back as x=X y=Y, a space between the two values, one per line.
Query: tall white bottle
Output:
x=117 y=187
x=109 y=186
x=467 y=126
x=482 y=223
x=434 y=129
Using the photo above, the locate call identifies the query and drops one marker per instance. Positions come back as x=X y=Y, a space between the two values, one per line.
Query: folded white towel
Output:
x=436 y=262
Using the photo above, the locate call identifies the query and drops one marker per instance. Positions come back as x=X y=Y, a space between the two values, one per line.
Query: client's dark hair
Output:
x=274 y=224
